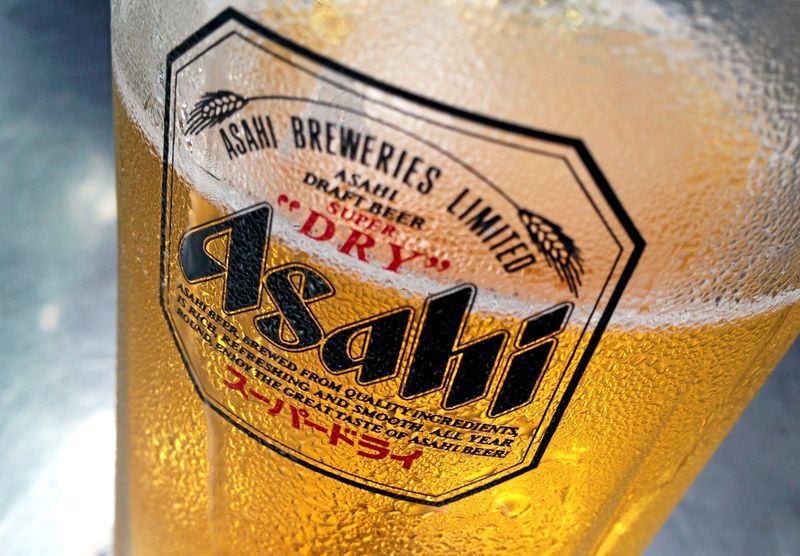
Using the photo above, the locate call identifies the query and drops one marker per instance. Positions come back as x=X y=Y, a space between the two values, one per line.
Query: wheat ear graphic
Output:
x=557 y=248
x=214 y=108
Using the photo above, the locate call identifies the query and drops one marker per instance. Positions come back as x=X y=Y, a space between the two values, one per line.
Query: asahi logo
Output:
x=437 y=358
x=411 y=296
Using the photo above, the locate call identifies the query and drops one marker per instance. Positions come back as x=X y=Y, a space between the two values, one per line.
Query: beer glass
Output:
x=442 y=277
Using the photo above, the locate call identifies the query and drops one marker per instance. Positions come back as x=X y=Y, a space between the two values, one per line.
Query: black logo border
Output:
x=230 y=14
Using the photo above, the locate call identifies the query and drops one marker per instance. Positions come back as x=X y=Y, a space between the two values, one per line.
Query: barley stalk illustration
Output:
x=213 y=108
x=556 y=247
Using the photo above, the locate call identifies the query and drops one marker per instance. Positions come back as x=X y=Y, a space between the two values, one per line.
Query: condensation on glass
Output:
x=304 y=185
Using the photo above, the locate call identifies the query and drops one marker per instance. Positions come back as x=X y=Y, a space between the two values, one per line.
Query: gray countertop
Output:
x=57 y=305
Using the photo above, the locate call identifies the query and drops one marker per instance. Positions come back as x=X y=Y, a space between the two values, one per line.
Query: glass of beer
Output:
x=442 y=277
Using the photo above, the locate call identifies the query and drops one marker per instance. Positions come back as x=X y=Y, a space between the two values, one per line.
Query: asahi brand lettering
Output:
x=383 y=289
x=436 y=343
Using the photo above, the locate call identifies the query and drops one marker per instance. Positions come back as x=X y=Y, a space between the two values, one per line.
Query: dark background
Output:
x=57 y=321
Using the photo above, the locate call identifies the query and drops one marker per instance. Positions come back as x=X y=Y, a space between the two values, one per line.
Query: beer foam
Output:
x=139 y=52
x=139 y=79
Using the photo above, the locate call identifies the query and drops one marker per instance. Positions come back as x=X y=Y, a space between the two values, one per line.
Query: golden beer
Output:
x=221 y=460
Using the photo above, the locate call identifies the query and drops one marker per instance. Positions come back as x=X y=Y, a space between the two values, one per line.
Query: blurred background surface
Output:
x=57 y=311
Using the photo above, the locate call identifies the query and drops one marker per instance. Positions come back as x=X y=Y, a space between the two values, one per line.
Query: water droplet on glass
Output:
x=511 y=504
x=480 y=473
x=423 y=511
x=571 y=457
x=525 y=426
x=328 y=23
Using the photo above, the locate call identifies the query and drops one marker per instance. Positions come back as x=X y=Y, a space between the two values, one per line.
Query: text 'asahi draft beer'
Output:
x=437 y=277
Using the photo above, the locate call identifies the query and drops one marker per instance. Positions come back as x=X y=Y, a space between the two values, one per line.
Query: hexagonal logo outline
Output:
x=574 y=145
